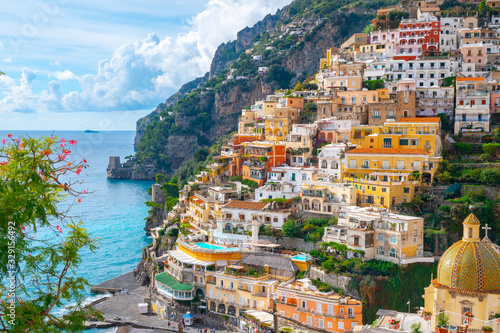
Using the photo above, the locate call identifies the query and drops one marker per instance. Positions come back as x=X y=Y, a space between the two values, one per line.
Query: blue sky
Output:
x=102 y=65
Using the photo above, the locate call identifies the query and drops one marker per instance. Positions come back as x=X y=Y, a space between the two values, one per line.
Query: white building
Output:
x=330 y=160
x=240 y=221
x=380 y=234
x=295 y=176
x=275 y=191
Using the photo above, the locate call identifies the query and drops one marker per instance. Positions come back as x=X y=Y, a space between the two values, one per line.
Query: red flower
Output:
x=9 y=135
x=62 y=145
x=46 y=152
x=79 y=200
x=85 y=161
x=3 y=140
x=72 y=142
x=63 y=140
x=78 y=170
x=61 y=157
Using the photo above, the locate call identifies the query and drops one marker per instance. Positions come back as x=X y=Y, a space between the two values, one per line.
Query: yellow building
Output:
x=383 y=190
x=250 y=284
x=279 y=124
x=398 y=164
x=468 y=280
x=418 y=134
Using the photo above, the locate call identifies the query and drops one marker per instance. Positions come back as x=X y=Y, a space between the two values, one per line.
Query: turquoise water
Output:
x=215 y=247
x=302 y=257
x=113 y=211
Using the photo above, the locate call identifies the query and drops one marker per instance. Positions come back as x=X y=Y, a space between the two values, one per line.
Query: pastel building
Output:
x=380 y=234
x=325 y=197
x=335 y=130
x=301 y=301
x=239 y=221
x=330 y=160
x=248 y=284
x=472 y=105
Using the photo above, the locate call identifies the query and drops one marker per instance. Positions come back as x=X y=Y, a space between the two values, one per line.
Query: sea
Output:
x=113 y=210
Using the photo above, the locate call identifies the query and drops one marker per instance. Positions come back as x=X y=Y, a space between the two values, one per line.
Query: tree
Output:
x=40 y=247
x=298 y=87
x=289 y=228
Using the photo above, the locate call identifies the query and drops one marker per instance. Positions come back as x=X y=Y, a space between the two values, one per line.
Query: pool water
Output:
x=208 y=246
x=302 y=257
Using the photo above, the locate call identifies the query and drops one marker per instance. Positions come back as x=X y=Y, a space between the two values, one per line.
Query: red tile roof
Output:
x=420 y=120
x=246 y=205
x=471 y=79
x=389 y=151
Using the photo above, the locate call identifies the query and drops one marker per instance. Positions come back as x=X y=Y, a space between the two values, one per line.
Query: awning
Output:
x=221 y=262
x=184 y=258
x=235 y=267
x=202 y=307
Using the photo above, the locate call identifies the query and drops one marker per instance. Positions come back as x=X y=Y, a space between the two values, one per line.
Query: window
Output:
x=414 y=240
x=303 y=304
x=393 y=253
x=352 y=163
x=403 y=142
x=385 y=164
x=387 y=143
x=401 y=165
x=353 y=100
x=380 y=250
x=391 y=114
x=406 y=190
x=231 y=285
x=393 y=240
x=296 y=316
x=364 y=99
x=384 y=189
x=375 y=114
x=380 y=238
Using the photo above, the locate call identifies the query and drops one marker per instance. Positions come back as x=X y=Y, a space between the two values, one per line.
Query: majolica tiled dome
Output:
x=470 y=266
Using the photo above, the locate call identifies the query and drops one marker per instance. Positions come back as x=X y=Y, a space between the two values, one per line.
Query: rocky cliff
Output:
x=209 y=107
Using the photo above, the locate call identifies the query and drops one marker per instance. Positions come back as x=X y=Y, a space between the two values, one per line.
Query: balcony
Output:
x=260 y=294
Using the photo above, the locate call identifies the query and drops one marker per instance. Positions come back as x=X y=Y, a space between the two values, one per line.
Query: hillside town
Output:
x=342 y=159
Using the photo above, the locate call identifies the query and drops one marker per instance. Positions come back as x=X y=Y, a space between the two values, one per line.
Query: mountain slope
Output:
x=209 y=107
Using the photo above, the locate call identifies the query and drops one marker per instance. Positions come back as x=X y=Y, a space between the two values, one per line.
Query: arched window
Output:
x=393 y=240
x=380 y=250
x=380 y=238
x=393 y=253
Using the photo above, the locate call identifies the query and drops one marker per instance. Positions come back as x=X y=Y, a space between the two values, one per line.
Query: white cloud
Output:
x=66 y=75
x=7 y=60
x=55 y=63
x=142 y=73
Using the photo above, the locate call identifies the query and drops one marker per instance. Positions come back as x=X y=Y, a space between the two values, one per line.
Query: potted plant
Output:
x=468 y=317
x=487 y=329
x=427 y=315
x=442 y=319
x=394 y=323
x=497 y=317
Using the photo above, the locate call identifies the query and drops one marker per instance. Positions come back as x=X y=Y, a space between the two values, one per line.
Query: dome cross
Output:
x=486 y=228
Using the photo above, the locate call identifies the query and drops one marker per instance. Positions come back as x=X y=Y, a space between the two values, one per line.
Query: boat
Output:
x=90 y=131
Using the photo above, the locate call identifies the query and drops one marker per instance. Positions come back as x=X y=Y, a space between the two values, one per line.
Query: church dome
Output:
x=470 y=265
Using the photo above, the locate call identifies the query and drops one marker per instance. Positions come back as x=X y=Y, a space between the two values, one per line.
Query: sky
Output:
x=101 y=65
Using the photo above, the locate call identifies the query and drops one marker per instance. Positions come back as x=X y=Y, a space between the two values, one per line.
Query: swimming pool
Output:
x=302 y=257
x=208 y=246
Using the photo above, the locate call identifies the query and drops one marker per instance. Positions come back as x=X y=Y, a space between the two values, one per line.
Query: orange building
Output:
x=302 y=301
x=275 y=154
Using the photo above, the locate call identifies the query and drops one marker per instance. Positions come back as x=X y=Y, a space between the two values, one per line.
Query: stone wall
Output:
x=292 y=243
x=338 y=281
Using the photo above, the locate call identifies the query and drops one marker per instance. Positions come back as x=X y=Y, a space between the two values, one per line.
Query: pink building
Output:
x=384 y=36
x=474 y=53
x=495 y=103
